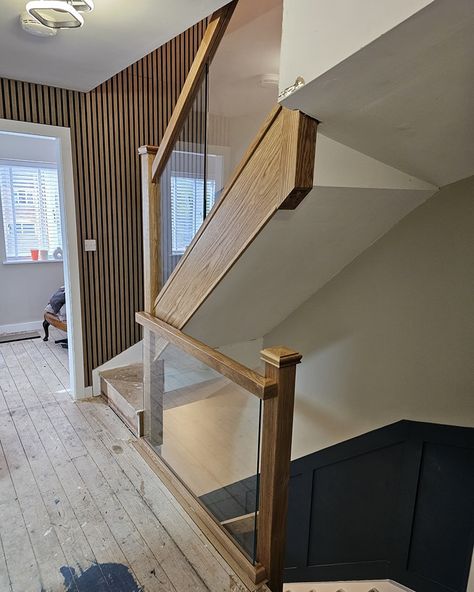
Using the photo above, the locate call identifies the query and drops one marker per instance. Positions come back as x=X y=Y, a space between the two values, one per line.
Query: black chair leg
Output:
x=46 y=330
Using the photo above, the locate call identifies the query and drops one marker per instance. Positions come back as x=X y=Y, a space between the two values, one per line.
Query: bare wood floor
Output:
x=80 y=510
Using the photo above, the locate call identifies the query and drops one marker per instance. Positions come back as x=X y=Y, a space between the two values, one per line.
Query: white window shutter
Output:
x=31 y=211
x=187 y=208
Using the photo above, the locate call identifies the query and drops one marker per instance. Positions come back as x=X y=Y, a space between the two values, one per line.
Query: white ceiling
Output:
x=116 y=34
x=406 y=98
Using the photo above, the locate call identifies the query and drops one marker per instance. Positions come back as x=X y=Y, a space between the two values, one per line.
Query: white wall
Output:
x=31 y=148
x=245 y=352
x=243 y=130
x=26 y=287
x=25 y=290
x=392 y=336
x=318 y=34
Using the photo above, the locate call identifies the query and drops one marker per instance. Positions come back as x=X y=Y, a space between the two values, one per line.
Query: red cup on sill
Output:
x=34 y=254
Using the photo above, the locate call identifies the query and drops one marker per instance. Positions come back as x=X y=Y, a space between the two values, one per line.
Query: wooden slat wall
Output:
x=108 y=124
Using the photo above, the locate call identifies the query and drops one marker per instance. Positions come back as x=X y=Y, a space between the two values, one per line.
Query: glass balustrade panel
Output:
x=207 y=429
x=242 y=87
x=184 y=202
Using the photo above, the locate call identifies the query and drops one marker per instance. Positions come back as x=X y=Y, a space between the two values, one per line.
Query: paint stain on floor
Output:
x=100 y=577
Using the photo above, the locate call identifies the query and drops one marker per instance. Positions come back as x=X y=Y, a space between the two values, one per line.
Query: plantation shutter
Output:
x=187 y=208
x=31 y=212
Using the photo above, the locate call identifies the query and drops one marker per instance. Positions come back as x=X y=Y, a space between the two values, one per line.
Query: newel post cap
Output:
x=147 y=150
x=280 y=356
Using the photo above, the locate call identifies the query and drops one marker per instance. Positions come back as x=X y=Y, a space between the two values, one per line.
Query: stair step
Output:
x=123 y=389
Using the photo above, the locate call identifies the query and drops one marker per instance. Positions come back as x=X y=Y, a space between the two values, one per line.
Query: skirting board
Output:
x=19 y=327
x=347 y=586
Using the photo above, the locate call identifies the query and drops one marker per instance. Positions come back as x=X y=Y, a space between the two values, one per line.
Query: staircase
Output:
x=293 y=212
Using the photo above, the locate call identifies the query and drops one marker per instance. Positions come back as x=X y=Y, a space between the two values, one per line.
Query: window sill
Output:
x=31 y=262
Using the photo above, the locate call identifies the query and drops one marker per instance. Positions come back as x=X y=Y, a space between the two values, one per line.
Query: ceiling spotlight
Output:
x=57 y=14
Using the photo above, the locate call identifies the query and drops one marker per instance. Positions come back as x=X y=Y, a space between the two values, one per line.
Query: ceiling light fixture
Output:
x=82 y=5
x=59 y=14
x=34 y=27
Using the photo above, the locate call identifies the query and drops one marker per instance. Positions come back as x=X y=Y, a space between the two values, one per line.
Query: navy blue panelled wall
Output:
x=395 y=503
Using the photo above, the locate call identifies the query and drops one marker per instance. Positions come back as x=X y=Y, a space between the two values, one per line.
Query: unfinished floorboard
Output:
x=112 y=483
x=4 y=577
x=100 y=539
x=157 y=538
x=161 y=502
x=3 y=403
x=45 y=374
x=22 y=568
x=45 y=546
x=10 y=392
x=22 y=382
x=61 y=514
x=77 y=498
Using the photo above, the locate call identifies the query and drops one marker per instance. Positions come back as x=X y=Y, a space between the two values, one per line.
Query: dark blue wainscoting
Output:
x=395 y=503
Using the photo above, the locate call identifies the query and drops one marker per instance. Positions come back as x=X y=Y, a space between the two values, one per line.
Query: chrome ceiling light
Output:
x=82 y=5
x=59 y=14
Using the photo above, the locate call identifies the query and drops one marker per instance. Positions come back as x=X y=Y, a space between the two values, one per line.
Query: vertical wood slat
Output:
x=108 y=124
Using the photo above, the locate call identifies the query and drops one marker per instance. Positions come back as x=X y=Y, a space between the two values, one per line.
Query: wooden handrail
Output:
x=275 y=173
x=245 y=159
x=210 y=42
x=262 y=387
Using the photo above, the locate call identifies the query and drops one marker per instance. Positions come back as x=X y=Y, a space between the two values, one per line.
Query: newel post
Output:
x=153 y=370
x=277 y=428
x=151 y=227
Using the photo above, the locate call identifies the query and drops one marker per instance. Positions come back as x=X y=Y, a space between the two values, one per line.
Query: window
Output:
x=187 y=208
x=30 y=205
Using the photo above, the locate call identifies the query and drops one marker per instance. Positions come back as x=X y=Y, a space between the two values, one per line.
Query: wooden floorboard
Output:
x=76 y=496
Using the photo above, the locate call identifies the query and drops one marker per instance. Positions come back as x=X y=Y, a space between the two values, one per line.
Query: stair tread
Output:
x=128 y=382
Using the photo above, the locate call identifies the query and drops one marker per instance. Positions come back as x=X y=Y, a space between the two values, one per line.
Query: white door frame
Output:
x=70 y=245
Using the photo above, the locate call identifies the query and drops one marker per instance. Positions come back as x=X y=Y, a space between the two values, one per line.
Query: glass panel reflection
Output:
x=207 y=430
x=184 y=203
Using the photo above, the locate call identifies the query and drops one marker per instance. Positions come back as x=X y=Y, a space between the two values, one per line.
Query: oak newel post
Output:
x=280 y=366
x=151 y=227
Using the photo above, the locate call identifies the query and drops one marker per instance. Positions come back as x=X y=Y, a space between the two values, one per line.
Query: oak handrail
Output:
x=260 y=386
x=230 y=183
x=210 y=42
x=275 y=174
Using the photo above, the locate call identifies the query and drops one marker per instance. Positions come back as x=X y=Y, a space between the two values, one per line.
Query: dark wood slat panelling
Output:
x=108 y=125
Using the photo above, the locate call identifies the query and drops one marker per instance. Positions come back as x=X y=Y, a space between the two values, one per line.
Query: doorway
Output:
x=38 y=246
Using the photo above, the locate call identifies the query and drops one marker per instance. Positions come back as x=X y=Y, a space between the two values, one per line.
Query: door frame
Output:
x=77 y=387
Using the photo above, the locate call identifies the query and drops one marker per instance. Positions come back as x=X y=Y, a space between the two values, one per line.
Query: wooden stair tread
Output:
x=123 y=389
x=128 y=382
